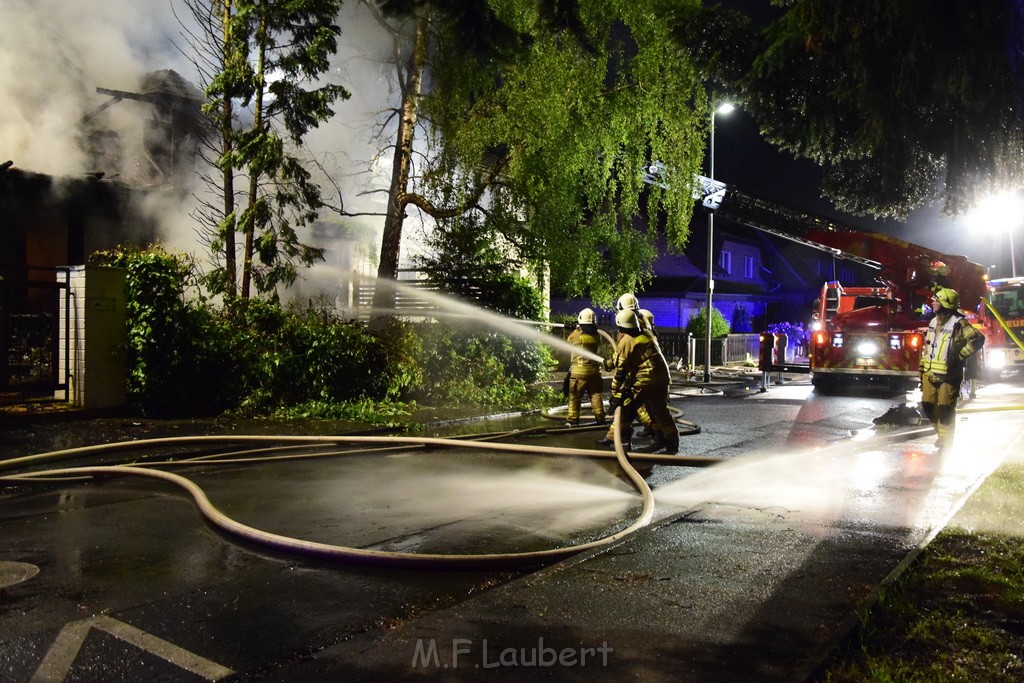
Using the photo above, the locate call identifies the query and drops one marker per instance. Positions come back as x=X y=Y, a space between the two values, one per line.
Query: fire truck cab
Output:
x=863 y=335
x=1002 y=320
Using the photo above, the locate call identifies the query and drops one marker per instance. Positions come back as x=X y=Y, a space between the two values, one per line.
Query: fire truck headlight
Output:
x=867 y=349
x=995 y=359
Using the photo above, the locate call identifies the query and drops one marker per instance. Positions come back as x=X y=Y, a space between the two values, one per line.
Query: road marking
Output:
x=57 y=663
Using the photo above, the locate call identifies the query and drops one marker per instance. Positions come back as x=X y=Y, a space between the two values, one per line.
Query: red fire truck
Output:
x=864 y=334
x=1002 y=318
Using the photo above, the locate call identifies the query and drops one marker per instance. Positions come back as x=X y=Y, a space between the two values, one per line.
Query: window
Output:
x=727 y=261
x=748 y=266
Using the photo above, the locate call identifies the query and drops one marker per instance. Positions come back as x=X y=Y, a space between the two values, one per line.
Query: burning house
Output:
x=49 y=225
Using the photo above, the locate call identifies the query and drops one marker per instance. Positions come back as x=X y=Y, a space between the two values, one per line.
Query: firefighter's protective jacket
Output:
x=581 y=366
x=948 y=345
x=638 y=363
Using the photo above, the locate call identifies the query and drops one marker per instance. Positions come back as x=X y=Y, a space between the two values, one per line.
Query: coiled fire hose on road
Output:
x=392 y=443
x=338 y=553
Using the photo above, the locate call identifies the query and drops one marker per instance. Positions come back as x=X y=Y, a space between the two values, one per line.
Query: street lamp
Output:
x=998 y=213
x=723 y=108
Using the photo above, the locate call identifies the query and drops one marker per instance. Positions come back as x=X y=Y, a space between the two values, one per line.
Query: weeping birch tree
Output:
x=543 y=125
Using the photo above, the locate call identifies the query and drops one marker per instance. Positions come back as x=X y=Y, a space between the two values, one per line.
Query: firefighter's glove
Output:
x=620 y=400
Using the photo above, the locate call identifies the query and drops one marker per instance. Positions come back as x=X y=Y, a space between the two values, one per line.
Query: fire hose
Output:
x=323 y=551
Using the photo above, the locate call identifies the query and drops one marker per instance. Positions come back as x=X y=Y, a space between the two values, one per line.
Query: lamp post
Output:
x=723 y=108
x=1013 y=257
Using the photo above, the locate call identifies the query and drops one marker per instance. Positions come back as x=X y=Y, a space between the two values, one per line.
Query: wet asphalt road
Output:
x=133 y=584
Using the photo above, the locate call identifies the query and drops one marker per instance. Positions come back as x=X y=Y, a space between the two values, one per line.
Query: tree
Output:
x=262 y=55
x=896 y=98
x=468 y=259
x=551 y=125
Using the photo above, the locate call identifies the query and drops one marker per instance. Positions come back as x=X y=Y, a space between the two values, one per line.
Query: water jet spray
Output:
x=451 y=307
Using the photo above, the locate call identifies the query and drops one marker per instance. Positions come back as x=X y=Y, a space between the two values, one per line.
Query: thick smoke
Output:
x=56 y=53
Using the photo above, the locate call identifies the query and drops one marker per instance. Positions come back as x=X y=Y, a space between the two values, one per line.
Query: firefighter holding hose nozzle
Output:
x=584 y=373
x=641 y=378
x=950 y=341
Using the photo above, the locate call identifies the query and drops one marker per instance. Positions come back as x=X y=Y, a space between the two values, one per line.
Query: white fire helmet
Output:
x=586 y=317
x=626 y=319
x=647 y=316
x=627 y=302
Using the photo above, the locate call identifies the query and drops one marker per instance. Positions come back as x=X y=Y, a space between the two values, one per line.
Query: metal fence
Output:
x=30 y=343
x=731 y=349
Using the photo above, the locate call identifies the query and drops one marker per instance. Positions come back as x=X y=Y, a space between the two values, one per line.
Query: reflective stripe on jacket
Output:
x=947 y=348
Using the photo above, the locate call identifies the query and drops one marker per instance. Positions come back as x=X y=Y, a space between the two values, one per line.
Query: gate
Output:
x=31 y=352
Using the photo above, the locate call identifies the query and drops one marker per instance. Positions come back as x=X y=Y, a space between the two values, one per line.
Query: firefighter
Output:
x=629 y=302
x=643 y=415
x=641 y=378
x=949 y=342
x=584 y=373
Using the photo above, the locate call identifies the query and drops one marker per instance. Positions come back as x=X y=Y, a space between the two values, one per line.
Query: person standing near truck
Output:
x=950 y=341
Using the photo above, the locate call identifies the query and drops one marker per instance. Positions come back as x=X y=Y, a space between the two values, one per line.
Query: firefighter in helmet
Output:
x=584 y=373
x=629 y=302
x=949 y=342
x=643 y=416
x=641 y=378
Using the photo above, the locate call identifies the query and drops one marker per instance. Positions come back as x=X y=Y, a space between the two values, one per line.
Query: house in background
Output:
x=759 y=279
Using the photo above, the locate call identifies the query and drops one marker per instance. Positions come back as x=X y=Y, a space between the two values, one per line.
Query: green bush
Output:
x=296 y=357
x=187 y=357
x=176 y=363
x=465 y=368
x=697 y=326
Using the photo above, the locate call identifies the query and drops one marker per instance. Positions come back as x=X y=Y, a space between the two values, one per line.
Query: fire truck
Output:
x=1002 y=318
x=862 y=335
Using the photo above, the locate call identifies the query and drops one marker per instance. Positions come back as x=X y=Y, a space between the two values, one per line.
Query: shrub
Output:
x=176 y=363
x=187 y=357
x=795 y=332
x=696 y=324
x=469 y=368
x=302 y=356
